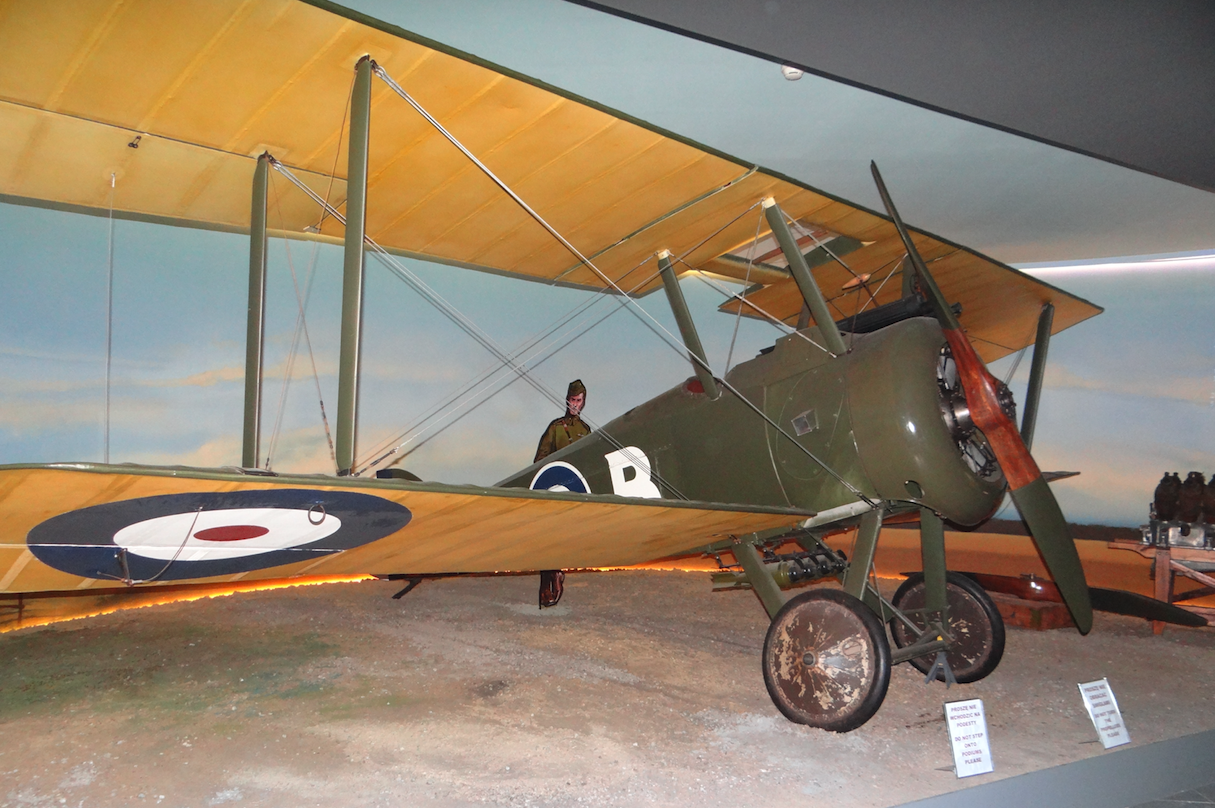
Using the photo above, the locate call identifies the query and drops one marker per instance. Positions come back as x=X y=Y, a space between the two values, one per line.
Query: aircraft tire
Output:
x=973 y=618
x=826 y=660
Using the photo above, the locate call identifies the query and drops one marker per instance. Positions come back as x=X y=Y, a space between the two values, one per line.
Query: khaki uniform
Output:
x=561 y=433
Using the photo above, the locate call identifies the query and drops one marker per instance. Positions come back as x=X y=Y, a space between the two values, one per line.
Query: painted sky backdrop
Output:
x=1129 y=394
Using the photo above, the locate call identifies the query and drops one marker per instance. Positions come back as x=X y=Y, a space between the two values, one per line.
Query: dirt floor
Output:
x=640 y=688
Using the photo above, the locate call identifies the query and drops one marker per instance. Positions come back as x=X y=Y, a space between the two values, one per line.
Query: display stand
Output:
x=1177 y=548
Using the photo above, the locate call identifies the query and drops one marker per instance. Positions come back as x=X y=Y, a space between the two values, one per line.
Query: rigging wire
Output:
x=561 y=341
x=746 y=285
x=1016 y=363
x=126 y=572
x=540 y=343
x=469 y=327
x=538 y=357
x=109 y=318
x=779 y=324
x=457 y=317
x=1030 y=340
x=823 y=246
x=301 y=322
x=301 y=329
x=337 y=154
x=670 y=338
x=542 y=335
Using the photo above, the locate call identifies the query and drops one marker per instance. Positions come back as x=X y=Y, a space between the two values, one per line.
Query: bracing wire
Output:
x=746 y=285
x=669 y=337
x=538 y=345
x=109 y=318
x=301 y=330
x=301 y=321
x=1020 y=355
x=823 y=246
x=561 y=342
x=742 y=300
x=337 y=154
x=1016 y=363
x=470 y=328
x=457 y=317
x=484 y=385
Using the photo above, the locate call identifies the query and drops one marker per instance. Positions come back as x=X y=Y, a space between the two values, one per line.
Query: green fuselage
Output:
x=872 y=415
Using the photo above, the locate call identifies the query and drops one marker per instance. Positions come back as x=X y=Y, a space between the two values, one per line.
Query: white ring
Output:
x=162 y=538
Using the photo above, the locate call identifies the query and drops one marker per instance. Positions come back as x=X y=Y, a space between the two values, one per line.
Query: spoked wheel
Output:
x=974 y=622
x=826 y=660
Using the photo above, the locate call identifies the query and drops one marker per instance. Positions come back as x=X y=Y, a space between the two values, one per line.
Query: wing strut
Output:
x=687 y=328
x=353 y=267
x=255 y=330
x=805 y=281
x=1037 y=370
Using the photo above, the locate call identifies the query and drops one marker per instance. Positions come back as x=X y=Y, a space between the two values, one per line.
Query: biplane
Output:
x=875 y=405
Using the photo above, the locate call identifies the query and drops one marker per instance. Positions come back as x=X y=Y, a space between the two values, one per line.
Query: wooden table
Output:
x=1170 y=562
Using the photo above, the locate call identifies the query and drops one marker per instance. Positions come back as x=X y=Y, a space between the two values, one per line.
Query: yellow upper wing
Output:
x=175 y=100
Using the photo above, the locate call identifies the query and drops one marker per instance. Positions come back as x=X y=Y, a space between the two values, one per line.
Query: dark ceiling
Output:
x=1131 y=82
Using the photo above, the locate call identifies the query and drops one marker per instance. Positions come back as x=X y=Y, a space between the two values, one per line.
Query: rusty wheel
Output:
x=826 y=660
x=974 y=622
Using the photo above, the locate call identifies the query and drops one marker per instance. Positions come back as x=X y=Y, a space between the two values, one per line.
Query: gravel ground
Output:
x=640 y=688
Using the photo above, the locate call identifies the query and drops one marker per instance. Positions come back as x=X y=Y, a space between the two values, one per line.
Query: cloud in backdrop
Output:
x=1129 y=394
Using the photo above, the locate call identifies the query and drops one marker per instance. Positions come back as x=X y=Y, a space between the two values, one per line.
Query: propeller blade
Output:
x=1133 y=604
x=929 y=286
x=1115 y=601
x=1029 y=491
x=1050 y=532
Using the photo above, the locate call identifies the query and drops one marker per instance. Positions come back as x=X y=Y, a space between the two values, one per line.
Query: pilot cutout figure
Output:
x=561 y=433
x=568 y=428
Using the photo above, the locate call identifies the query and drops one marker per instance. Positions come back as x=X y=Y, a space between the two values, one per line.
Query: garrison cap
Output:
x=576 y=387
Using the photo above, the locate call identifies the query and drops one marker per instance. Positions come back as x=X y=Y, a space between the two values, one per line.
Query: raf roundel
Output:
x=183 y=536
x=560 y=476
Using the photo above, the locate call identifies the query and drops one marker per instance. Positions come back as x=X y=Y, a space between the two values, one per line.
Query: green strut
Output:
x=687 y=328
x=856 y=577
x=1037 y=369
x=352 y=268
x=255 y=330
x=805 y=281
x=932 y=557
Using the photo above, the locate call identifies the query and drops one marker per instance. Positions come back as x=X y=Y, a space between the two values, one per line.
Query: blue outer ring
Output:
x=81 y=542
x=559 y=475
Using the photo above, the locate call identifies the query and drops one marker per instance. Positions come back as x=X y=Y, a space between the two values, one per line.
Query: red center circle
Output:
x=231 y=533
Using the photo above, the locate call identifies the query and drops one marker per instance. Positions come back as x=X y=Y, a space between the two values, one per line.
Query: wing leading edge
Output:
x=76 y=527
x=275 y=75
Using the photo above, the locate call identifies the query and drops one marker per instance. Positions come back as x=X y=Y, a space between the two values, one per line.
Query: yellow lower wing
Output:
x=59 y=523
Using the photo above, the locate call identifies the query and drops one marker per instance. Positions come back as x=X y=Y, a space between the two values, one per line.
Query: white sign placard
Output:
x=1103 y=710
x=968 y=735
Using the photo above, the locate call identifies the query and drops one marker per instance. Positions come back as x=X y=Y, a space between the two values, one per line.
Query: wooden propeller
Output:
x=1028 y=490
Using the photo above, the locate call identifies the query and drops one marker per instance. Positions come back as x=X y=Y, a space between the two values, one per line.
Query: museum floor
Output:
x=640 y=688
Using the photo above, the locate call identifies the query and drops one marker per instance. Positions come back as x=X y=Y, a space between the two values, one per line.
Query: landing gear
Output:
x=974 y=622
x=826 y=660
